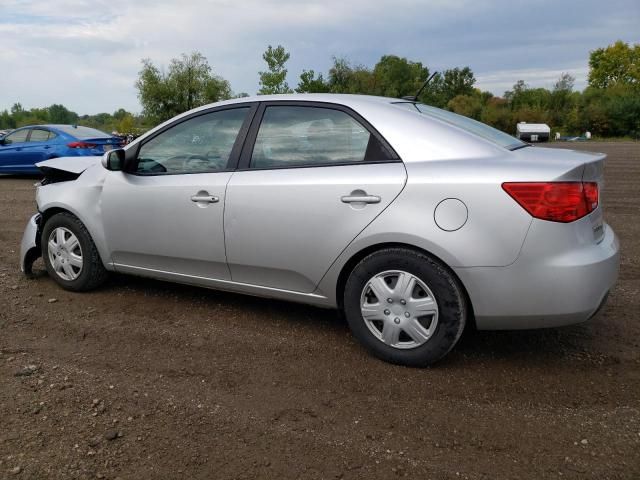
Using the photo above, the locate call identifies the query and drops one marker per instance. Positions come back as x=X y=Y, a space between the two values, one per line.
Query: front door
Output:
x=166 y=216
x=14 y=156
x=311 y=179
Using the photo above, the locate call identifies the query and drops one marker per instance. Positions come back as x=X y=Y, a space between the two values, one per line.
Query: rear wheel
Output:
x=70 y=255
x=404 y=306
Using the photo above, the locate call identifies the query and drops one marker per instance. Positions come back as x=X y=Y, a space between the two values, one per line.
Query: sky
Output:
x=86 y=54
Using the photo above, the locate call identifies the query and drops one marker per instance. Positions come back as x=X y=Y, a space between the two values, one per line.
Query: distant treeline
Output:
x=608 y=107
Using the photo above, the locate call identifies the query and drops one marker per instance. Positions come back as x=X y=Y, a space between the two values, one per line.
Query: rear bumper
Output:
x=30 y=245
x=547 y=286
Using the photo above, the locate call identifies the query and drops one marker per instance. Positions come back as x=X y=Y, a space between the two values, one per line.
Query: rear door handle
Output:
x=205 y=199
x=360 y=199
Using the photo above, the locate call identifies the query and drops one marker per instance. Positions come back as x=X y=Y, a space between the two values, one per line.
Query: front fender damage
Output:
x=30 y=248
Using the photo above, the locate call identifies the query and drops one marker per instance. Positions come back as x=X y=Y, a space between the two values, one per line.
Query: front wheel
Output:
x=404 y=306
x=70 y=255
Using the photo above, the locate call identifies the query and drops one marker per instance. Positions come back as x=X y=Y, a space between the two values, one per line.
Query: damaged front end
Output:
x=30 y=248
x=55 y=175
x=65 y=169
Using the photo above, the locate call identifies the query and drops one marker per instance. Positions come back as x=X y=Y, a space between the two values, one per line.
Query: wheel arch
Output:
x=350 y=264
x=56 y=208
x=51 y=211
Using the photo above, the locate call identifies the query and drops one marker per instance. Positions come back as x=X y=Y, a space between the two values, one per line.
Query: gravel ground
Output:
x=144 y=379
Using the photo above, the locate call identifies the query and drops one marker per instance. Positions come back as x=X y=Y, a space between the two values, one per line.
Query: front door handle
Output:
x=205 y=199
x=360 y=199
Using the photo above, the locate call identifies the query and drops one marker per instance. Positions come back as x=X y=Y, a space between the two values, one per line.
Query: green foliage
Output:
x=397 y=77
x=309 y=83
x=345 y=78
x=497 y=113
x=121 y=120
x=467 y=105
x=189 y=83
x=617 y=64
x=274 y=80
x=610 y=106
x=60 y=114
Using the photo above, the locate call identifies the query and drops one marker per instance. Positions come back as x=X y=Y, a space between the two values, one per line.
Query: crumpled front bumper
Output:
x=30 y=248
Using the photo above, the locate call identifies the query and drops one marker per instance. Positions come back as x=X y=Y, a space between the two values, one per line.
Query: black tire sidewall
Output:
x=447 y=292
x=87 y=246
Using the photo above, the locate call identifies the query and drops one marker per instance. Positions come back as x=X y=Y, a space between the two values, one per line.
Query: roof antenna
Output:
x=414 y=98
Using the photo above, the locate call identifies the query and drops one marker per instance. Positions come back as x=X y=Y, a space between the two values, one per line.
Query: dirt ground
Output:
x=143 y=379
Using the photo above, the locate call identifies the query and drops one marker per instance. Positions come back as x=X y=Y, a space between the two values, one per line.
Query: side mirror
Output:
x=113 y=160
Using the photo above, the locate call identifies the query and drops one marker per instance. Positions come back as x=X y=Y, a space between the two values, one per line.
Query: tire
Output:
x=61 y=257
x=418 y=332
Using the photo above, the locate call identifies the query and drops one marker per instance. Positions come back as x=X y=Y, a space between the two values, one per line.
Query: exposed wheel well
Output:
x=36 y=252
x=355 y=259
x=50 y=212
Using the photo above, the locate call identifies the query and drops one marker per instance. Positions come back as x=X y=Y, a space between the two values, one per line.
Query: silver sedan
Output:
x=412 y=220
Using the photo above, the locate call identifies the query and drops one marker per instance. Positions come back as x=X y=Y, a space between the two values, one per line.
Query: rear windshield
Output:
x=472 y=126
x=82 y=132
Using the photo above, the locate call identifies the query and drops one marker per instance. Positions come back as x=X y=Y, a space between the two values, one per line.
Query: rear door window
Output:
x=299 y=136
x=39 y=135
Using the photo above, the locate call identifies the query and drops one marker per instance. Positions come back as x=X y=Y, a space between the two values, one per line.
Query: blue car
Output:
x=21 y=149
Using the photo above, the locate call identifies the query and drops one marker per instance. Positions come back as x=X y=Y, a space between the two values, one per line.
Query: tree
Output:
x=17 y=109
x=457 y=81
x=467 y=105
x=444 y=86
x=60 y=114
x=616 y=64
x=564 y=83
x=396 y=77
x=309 y=83
x=274 y=80
x=518 y=88
x=126 y=124
x=497 y=113
x=561 y=100
x=339 y=75
x=524 y=98
x=343 y=78
x=189 y=83
x=7 y=120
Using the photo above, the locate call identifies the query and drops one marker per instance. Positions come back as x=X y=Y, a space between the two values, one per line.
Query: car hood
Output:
x=75 y=165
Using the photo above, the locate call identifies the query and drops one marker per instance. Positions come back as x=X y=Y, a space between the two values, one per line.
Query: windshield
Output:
x=472 y=126
x=82 y=132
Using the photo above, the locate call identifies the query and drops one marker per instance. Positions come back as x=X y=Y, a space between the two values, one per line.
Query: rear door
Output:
x=311 y=177
x=38 y=148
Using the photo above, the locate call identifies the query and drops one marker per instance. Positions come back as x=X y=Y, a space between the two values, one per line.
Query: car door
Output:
x=311 y=177
x=38 y=147
x=165 y=216
x=13 y=156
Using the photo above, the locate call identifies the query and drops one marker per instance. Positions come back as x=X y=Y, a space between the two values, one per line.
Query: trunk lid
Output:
x=553 y=164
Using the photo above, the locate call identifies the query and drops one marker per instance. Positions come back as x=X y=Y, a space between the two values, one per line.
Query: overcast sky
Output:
x=86 y=54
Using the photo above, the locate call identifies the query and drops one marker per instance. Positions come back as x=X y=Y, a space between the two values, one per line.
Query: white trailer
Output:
x=533 y=132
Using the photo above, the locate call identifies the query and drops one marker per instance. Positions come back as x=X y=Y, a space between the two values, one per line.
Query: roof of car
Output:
x=52 y=125
x=339 y=98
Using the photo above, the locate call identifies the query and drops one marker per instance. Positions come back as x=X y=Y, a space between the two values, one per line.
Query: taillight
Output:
x=555 y=201
x=81 y=145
